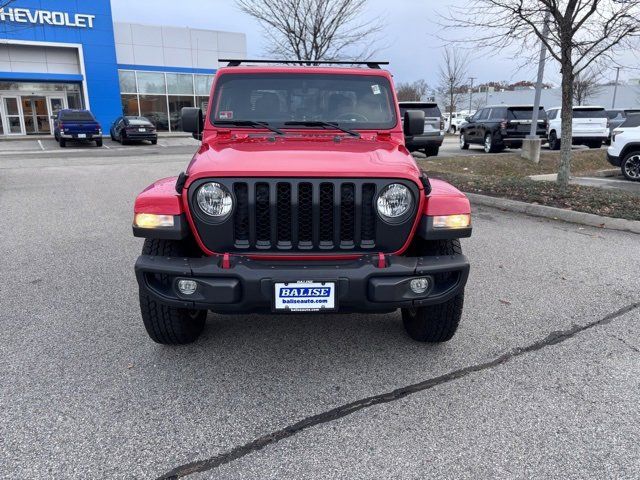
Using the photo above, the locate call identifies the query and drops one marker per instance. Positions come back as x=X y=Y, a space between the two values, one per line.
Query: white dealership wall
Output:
x=177 y=47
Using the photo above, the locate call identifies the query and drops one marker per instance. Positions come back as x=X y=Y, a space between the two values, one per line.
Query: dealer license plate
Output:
x=304 y=296
x=82 y=135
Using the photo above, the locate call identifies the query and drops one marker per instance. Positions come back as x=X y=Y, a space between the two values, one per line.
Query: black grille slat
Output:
x=283 y=214
x=305 y=218
x=326 y=215
x=241 y=220
x=368 y=215
x=263 y=216
x=347 y=214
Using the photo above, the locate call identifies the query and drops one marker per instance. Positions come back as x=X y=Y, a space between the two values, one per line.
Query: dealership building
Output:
x=57 y=54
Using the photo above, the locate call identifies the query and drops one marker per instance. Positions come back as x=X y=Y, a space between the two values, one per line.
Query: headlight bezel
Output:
x=203 y=213
x=399 y=219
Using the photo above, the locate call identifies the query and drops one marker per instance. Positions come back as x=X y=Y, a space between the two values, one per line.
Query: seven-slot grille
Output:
x=302 y=215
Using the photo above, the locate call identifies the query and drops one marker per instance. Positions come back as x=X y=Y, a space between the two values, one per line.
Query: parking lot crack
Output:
x=554 y=338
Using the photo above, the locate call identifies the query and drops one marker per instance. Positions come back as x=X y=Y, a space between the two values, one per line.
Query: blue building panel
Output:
x=58 y=25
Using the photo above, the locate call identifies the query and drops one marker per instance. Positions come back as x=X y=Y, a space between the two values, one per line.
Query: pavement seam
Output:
x=554 y=338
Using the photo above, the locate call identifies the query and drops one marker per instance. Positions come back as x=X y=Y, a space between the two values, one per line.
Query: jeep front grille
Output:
x=302 y=216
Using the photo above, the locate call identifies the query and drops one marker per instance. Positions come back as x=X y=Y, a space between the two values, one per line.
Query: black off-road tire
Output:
x=165 y=324
x=435 y=323
x=464 y=145
x=432 y=151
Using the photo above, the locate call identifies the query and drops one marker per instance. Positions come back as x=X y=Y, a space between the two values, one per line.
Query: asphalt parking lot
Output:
x=541 y=380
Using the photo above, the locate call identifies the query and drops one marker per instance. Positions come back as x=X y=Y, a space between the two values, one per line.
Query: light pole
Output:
x=533 y=143
x=615 y=88
x=471 y=93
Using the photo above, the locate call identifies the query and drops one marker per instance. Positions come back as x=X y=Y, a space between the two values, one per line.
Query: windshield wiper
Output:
x=250 y=123
x=319 y=123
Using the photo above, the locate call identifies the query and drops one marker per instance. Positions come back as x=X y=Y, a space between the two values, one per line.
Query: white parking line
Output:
x=107 y=147
x=41 y=146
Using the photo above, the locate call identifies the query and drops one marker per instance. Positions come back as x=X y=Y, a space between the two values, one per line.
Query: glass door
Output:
x=55 y=105
x=36 y=115
x=12 y=116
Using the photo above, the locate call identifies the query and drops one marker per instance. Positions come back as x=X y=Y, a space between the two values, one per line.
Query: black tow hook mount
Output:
x=182 y=179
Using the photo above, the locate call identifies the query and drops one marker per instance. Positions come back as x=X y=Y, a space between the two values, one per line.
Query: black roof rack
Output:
x=233 y=62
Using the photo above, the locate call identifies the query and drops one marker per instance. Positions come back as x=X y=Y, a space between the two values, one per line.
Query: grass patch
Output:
x=583 y=162
x=506 y=176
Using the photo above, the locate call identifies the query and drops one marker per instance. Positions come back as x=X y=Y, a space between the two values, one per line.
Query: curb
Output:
x=554 y=213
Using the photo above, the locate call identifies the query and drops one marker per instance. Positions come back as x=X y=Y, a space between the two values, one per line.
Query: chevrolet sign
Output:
x=45 y=17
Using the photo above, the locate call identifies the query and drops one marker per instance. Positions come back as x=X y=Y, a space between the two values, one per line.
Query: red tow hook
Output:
x=226 y=262
x=382 y=260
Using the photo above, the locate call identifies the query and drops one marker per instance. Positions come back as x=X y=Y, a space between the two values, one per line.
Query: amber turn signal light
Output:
x=151 y=220
x=452 y=221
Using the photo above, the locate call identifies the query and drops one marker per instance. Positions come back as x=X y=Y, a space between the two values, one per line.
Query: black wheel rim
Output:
x=632 y=167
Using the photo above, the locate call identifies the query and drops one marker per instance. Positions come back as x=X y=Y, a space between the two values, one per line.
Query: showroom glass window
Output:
x=160 y=96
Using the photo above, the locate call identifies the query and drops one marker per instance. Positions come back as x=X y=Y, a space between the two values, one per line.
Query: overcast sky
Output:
x=410 y=35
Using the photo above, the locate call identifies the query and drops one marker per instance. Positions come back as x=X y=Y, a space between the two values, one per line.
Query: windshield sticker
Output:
x=226 y=115
x=376 y=89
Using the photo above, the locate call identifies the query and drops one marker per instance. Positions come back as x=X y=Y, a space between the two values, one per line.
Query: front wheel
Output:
x=165 y=324
x=463 y=142
x=435 y=323
x=631 y=166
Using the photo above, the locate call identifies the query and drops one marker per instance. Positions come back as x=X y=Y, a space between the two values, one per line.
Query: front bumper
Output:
x=240 y=284
x=425 y=140
x=613 y=160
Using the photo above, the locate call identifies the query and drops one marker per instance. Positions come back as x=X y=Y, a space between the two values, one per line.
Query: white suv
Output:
x=590 y=127
x=624 y=151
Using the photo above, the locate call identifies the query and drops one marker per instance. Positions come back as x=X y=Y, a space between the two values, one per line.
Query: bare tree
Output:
x=452 y=75
x=586 y=85
x=414 y=91
x=577 y=34
x=314 y=29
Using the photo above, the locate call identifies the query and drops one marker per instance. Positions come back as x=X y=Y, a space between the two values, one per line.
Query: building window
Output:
x=151 y=82
x=154 y=107
x=176 y=104
x=179 y=84
x=130 y=105
x=160 y=96
x=127 y=81
x=203 y=84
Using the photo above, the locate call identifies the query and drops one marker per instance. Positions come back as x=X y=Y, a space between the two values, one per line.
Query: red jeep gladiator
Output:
x=301 y=198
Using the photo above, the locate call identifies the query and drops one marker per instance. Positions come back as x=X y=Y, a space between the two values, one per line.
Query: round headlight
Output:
x=214 y=199
x=394 y=201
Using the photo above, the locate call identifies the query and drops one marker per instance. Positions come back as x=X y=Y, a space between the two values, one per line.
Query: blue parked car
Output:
x=76 y=125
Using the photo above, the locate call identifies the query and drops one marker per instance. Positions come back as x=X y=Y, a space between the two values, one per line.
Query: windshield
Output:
x=80 y=116
x=351 y=101
x=430 y=111
x=526 y=113
x=138 y=121
x=589 y=113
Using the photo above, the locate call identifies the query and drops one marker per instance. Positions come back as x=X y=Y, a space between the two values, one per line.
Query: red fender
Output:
x=445 y=199
x=160 y=198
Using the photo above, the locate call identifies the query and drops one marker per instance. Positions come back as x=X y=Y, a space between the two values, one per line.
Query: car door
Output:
x=478 y=129
x=470 y=128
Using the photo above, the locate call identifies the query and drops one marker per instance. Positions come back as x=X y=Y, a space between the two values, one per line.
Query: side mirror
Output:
x=414 y=122
x=192 y=121
x=467 y=119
